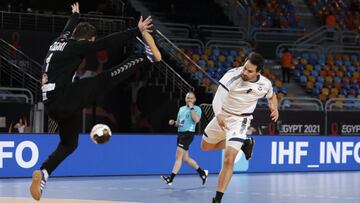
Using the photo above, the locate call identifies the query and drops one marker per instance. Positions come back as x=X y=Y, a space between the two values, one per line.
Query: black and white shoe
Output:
x=204 y=176
x=247 y=147
x=167 y=180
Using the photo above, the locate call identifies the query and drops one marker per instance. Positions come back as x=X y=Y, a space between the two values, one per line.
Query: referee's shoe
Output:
x=247 y=147
x=204 y=175
x=167 y=180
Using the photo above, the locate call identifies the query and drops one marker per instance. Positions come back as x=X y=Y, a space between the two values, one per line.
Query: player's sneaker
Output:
x=204 y=176
x=247 y=147
x=215 y=201
x=167 y=180
x=38 y=184
x=151 y=50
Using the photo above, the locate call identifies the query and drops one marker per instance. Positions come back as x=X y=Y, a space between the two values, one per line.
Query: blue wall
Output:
x=20 y=154
x=123 y=155
x=302 y=153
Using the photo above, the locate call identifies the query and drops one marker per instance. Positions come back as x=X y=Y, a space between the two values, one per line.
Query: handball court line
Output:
x=48 y=200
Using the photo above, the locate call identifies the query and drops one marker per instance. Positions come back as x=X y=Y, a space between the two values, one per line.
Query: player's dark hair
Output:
x=257 y=60
x=84 y=31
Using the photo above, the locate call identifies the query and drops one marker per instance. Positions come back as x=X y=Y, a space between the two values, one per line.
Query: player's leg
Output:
x=203 y=173
x=186 y=158
x=234 y=141
x=213 y=137
x=191 y=162
x=248 y=143
x=227 y=169
x=177 y=165
x=178 y=160
x=180 y=152
x=247 y=147
x=186 y=142
x=226 y=172
x=210 y=146
x=69 y=129
x=86 y=91
x=69 y=135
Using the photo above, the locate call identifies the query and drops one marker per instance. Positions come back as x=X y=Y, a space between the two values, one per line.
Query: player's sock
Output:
x=200 y=171
x=218 y=196
x=172 y=176
x=46 y=174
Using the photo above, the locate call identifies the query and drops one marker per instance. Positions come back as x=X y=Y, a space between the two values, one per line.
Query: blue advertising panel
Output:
x=21 y=154
x=302 y=153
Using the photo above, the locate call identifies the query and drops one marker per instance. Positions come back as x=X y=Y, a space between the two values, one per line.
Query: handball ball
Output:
x=100 y=134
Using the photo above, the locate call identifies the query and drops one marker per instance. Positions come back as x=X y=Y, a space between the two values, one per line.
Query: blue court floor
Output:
x=317 y=187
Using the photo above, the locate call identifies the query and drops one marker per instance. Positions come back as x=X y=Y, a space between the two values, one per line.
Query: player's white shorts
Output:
x=235 y=135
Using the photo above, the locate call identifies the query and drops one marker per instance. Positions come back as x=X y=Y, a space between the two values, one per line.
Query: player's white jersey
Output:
x=243 y=95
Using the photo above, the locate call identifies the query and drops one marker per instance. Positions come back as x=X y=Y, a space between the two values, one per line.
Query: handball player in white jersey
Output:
x=233 y=105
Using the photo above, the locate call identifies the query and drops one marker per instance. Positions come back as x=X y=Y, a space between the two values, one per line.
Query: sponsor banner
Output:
x=21 y=154
x=289 y=123
x=343 y=123
x=302 y=153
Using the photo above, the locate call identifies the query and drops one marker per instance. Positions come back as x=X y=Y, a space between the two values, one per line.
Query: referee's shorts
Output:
x=184 y=139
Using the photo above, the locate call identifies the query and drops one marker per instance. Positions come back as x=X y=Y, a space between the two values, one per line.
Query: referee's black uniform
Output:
x=63 y=97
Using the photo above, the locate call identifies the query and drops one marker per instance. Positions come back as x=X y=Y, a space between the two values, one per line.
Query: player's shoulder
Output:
x=265 y=80
x=197 y=107
x=235 y=70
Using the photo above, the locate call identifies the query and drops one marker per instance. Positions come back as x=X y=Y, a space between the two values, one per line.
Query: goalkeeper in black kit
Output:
x=64 y=98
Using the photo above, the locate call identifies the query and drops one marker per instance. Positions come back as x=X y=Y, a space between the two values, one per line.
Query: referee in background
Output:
x=187 y=118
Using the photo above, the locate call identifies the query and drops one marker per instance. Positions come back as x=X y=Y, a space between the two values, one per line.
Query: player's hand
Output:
x=274 y=112
x=221 y=121
x=171 y=122
x=75 y=8
x=145 y=25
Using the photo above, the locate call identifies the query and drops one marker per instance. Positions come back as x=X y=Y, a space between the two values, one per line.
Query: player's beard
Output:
x=244 y=77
